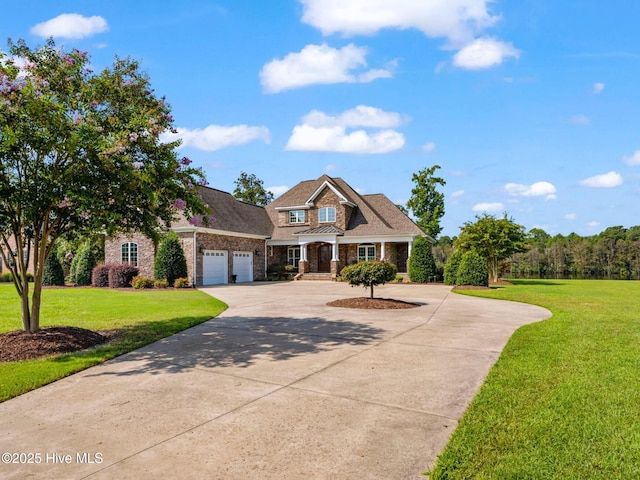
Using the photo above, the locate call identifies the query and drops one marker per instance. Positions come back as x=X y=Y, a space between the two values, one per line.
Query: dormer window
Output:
x=296 y=216
x=327 y=215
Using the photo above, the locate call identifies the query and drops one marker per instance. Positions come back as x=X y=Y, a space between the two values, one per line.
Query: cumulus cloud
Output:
x=320 y=64
x=216 y=137
x=537 y=189
x=484 y=53
x=70 y=25
x=457 y=20
x=278 y=190
x=488 y=207
x=606 y=180
x=320 y=132
x=633 y=159
x=598 y=87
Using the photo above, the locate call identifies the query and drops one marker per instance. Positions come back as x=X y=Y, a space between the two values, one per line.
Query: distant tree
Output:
x=170 y=262
x=494 y=239
x=472 y=270
x=402 y=208
x=250 y=189
x=426 y=202
x=81 y=152
x=369 y=274
x=422 y=266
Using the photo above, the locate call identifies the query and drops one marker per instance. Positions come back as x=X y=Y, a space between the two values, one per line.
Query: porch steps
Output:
x=314 y=276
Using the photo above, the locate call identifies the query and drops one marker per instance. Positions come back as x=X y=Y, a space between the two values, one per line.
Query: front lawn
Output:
x=141 y=316
x=563 y=400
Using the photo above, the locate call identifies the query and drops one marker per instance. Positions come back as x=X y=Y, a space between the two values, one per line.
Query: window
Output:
x=296 y=216
x=366 y=252
x=327 y=215
x=129 y=253
x=293 y=256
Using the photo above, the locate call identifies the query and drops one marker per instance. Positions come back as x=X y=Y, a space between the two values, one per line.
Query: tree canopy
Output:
x=369 y=274
x=494 y=239
x=426 y=202
x=81 y=152
x=250 y=189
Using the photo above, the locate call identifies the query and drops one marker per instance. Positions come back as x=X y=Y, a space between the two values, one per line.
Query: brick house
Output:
x=318 y=227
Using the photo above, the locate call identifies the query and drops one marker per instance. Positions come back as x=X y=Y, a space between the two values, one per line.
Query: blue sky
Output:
x=530 y=107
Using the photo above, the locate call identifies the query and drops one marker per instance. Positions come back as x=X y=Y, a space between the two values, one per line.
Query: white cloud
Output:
x=593 y=224
x=320 y=132
x=216 y=137
x=537 y=189
x=632 y=160
x=320 y=64
x=598 y=88
x=570 y=216
x=330 y=168
x=580 y=120
x=488 y=207
x=606 y=180
x=278 y=190
x=429 y=147
x=484 y=53
x=456 y=20
x=457 y=193
x=70 y=25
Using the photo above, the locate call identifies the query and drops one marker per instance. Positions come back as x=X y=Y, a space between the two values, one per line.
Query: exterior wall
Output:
x=277 y=254
x=146 y=251
x=5 y=269
x=207 y=241
x=327 y=198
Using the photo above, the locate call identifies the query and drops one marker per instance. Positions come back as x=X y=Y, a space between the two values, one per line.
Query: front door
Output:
x=324 y=258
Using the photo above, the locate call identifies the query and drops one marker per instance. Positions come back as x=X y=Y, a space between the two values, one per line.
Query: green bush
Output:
x=160 y=284
x=399 y=279
x=82 y=266
x=141 y=281
x=181 y=282
x=473 y=270
x=369 y=274
x=422 y=265
x=6 y=277
x=170 y=262
x=53 y=272
x=451 y=267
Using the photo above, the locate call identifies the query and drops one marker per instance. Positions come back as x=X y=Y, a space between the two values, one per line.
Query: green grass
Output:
x=563 y=400
x=141 y=316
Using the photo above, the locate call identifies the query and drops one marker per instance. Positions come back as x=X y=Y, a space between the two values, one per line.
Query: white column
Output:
x=303 y=252
x=382 y=254
x=409 y=250
x=334 y=252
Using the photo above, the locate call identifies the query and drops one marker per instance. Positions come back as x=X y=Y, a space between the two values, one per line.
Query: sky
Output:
x=530 y=107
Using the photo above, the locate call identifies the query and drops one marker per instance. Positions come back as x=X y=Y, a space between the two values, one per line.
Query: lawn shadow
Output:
x=242 y=342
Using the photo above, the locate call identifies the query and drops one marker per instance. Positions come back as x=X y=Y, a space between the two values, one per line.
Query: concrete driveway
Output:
x=280 y=386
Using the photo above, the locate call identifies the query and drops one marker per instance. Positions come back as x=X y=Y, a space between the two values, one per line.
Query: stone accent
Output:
x=146 y=251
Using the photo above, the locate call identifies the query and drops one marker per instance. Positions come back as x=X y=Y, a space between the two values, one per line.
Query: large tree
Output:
x=426 y=202
x=494 y=239
x=81 y=152
x=250 y=189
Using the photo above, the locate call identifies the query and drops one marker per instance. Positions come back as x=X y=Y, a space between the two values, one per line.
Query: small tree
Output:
x=170 y=262
x=451 y=267
x=422 y=265
x=472 y=270
x=369 y=274
x=53 y=272
x=250 y=189
x=426 y=202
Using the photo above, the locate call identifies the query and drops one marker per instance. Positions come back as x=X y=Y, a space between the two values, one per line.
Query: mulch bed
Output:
x=372 y=303
x=18 y=345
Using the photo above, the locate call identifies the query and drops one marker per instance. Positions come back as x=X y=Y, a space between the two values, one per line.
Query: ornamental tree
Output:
x=170 y=262
x=369 y=274
x=422 y=265
x=81 y=152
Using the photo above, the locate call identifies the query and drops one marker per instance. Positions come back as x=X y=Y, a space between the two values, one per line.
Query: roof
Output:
x=324 y=230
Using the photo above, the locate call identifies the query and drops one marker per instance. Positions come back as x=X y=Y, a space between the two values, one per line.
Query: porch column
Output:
x=409 y=245
x=382 y=254
x=303 y=264
x=334 y=251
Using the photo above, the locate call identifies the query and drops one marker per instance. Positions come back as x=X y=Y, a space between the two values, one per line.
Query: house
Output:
x=318 y=227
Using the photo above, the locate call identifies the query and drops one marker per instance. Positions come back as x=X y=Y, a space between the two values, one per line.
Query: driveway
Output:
x=279 y=386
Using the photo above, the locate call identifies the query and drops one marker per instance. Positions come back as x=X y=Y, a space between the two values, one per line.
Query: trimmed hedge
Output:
x=53 y=271
x=451 y=267
x=473 y=270
x=100 y=275
x=369 y=274
x=422 y=265
x=120 y=276
x=82 y=266
x=170 y=262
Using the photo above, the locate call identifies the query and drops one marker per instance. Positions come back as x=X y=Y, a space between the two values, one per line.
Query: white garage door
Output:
x=243 y=266
x=215 y=267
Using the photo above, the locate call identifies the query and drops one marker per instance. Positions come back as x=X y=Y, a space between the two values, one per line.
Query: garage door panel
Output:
x=215 y=267
x=243 y=266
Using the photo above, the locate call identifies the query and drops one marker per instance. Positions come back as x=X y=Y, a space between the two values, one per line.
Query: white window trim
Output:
x=326 y=209
x=291 y=259
x=367 y=246
x=128 y=260
x=295 y=217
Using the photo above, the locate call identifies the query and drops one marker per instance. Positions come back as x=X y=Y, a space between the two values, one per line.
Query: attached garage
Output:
x=243 y=266
x=215 y=267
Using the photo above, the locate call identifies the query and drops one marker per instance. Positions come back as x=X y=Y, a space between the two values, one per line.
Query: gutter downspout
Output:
x=195 y=258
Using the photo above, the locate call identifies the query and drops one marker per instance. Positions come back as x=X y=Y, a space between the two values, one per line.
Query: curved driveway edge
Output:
x=278 y=386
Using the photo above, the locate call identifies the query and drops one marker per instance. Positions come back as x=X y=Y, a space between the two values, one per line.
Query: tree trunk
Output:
x=26 y=311
x=371 y=291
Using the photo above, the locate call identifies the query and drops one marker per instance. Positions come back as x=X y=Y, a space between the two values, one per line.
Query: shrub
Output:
x=6 y=277
x=141 y=281
x=100 y=275
x=170 y=262
x=369 y=274
x=160 y=284
x=53 y=272
x=451 y=267
x=82 y=266
x=422 y=265
x=120 y=276
x=181 y=282
x=472 y=270
x=399 y=279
